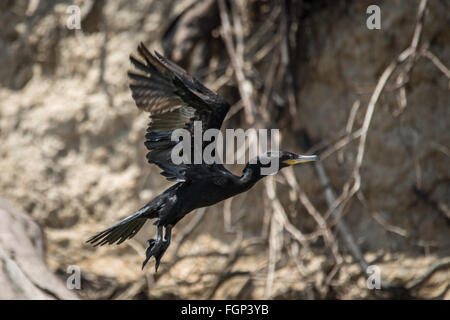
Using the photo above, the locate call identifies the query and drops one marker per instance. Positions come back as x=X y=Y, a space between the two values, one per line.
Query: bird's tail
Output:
x=123 y=230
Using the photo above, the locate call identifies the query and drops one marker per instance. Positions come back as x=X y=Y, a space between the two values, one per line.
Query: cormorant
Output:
x=175 y=100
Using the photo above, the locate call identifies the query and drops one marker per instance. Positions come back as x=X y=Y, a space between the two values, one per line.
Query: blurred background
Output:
x=375 y=104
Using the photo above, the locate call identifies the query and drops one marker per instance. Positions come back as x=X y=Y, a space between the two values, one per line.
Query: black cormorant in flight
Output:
x=175 y=100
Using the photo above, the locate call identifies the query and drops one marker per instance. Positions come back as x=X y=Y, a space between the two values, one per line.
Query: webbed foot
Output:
x=157 y=248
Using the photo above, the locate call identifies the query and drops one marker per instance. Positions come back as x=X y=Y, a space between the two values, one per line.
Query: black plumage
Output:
x=175 y=100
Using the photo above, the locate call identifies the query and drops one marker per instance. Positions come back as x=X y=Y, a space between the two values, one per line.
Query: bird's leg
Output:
x=168 y=235
x=164 y=245
x=156 y=248
x=153 y=246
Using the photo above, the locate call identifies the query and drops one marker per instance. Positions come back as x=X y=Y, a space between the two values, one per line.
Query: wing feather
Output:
x=174 y=100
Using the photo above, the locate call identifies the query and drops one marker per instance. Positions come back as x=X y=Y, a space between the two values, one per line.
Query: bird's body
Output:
x=184 y=197
x=175 y=100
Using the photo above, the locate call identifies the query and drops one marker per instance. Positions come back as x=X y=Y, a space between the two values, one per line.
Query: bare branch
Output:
x=237 y=56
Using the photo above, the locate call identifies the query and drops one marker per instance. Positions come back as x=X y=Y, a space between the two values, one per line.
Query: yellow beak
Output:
x=301 y=159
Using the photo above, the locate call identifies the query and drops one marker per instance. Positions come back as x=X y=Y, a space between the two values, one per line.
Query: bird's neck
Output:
x=250 y=176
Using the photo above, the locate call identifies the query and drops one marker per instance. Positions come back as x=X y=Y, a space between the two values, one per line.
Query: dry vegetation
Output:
x=375 y=105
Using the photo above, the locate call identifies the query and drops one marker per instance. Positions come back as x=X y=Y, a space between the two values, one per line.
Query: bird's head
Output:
x=273 y=161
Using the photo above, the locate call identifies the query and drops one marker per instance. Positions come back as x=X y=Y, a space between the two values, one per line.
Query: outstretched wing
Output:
x=175 y=100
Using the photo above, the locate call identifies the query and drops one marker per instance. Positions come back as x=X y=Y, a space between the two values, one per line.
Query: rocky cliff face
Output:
x=72 y=153
x=23 y=271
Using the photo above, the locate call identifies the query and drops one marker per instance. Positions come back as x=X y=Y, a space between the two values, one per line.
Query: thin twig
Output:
x=341 y=225
x=438 y=63
x=286 y=61
x=237 y=56
x=349 y=126
x=280 y=213
x=323 y=227
x=233 y=256
x=274 y=247
x=187 y=230
x=434 y=268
